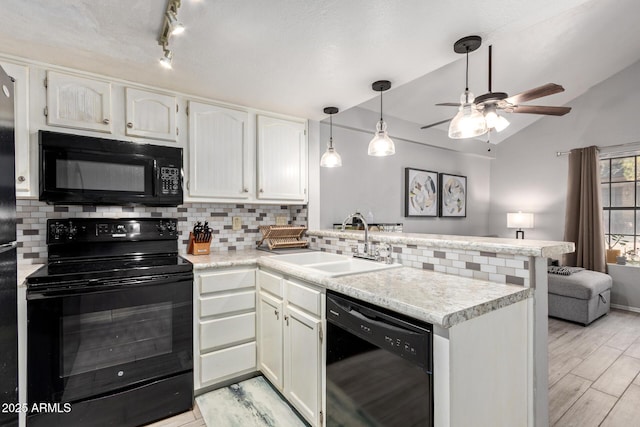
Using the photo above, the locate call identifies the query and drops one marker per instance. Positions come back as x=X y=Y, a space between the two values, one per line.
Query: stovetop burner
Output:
x=90 y=251
x=94 y=270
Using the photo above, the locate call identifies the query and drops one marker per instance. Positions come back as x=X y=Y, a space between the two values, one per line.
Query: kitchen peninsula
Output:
x=488 y=311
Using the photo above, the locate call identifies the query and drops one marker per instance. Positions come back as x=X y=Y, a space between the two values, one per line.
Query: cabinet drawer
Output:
x=270 y=283
x=222 y=304
x=227 y=331
x=224 y=364
x=304 y=297
x=225 y=281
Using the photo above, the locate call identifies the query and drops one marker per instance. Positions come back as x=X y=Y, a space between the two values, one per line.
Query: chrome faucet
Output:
x=366 y=228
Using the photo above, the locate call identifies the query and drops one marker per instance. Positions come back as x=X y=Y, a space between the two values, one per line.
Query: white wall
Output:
x=527 y=175
x=375 y=184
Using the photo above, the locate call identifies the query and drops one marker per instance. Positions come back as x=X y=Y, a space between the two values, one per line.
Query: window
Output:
x=620 y=184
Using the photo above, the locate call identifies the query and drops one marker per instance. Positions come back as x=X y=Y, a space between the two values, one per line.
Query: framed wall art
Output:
x=453 y=195
x=421 y=192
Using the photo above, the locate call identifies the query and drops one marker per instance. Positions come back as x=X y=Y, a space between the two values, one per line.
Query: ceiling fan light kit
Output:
x=490 y=104
x=381 y=144
x=494 y=120
x=330 y=158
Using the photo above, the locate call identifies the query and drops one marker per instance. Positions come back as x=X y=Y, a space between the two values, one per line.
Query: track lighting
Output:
x=381 y=144
x=167 y=57
x=175 y=26
x=331 y=158
x=170 y=27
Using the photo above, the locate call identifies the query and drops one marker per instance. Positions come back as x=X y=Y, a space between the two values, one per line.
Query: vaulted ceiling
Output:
x=296 y=57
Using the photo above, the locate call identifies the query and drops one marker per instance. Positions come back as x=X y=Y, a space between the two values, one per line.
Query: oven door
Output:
x=86 y=342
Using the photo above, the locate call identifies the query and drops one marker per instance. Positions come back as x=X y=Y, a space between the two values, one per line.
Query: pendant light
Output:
x=381 y=144
x=469 y=122
x=331 y=158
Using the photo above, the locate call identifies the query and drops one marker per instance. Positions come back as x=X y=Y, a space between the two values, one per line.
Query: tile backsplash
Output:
x=32 y=218
x=488 y=266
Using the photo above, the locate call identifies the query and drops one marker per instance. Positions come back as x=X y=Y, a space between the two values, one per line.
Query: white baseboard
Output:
x=625 y=307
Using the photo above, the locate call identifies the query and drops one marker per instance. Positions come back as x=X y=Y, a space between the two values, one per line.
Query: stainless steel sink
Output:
x=333 y=265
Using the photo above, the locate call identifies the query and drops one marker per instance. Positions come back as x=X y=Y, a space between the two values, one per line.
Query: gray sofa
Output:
x=580 y=297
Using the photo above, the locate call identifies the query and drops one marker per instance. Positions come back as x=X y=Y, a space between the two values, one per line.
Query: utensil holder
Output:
x=198 y=248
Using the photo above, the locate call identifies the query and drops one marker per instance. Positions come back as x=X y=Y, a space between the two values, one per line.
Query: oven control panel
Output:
x=107 y=229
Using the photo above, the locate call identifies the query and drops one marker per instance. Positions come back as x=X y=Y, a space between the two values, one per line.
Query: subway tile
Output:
x=515 y=280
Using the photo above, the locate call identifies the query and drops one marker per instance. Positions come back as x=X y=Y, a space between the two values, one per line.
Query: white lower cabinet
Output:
x=270 y=338
x=291 y=341
x=225 y=325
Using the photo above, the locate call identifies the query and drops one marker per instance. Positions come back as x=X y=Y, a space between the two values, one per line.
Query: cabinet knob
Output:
x=245 y=190
x=261 y=190
x=21 y=178
x=286 y=317
x=106 y=121
x=277 y=314
x=130 y=125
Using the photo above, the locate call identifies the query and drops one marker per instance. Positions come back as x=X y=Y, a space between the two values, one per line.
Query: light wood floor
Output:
x=593 y=374
x=186 y=419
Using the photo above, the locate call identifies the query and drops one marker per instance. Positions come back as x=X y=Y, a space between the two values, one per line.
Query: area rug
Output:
x=250 y=403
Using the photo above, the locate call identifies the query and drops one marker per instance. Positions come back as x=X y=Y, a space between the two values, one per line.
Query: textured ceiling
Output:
x=296 y=57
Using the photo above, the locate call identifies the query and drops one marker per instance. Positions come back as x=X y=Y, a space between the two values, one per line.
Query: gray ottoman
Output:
x=581 y=297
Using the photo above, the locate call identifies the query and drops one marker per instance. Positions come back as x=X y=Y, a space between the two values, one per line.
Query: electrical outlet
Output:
x=237 y=223
x=281 y=220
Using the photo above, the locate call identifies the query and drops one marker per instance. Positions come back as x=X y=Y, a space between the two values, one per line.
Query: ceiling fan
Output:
x=491 y=103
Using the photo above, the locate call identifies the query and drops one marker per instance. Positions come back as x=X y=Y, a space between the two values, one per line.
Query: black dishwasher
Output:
x=379 y=366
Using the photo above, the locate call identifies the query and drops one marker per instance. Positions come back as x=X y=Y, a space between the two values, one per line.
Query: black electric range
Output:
x=110 y=324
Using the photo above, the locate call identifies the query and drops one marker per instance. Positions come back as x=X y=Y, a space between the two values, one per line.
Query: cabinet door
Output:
x=20 y=74
x=270 y=350
x=219 y=163
x=77 y=102
x=150 y=115
x=303 y=358
x=282 y=159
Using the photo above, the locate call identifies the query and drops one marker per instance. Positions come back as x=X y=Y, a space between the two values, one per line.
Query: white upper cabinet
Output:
x=77 y=102
x=282 y=159
x=150 y=115
x=20 y=75
x=219 y=161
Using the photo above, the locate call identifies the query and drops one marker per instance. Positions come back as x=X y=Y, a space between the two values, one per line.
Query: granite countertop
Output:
x=222 y=259
x=26 y=269
x=442 y=299
x=536 y=248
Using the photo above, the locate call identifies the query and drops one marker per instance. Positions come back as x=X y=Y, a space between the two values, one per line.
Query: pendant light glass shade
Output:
x=330 y=158
x=381 y=144
x=469 y=122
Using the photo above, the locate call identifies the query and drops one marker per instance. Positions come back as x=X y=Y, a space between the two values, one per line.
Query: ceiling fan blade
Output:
x=436 y=123
x=448 y=104
x=540 y=109
x=535 y=93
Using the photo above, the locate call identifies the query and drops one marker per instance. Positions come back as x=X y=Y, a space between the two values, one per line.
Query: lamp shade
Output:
x=519 y=220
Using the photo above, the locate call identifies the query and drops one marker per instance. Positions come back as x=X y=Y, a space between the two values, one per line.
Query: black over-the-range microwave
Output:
x=81 y=170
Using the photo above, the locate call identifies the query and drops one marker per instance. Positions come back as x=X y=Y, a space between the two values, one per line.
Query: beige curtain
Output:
x=583 y=221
